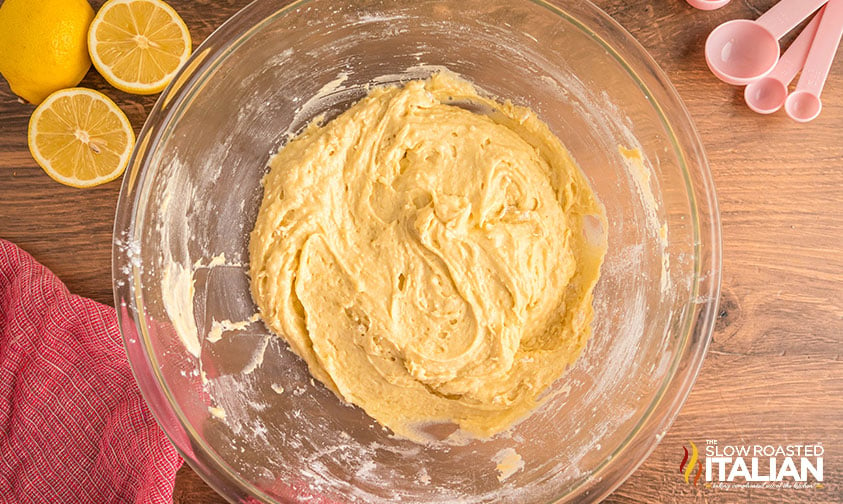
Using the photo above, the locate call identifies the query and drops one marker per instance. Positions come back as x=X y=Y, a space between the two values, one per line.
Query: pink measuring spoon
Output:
x=804 y=103
x=740 y=51
x=767 y=94
x=708 y=4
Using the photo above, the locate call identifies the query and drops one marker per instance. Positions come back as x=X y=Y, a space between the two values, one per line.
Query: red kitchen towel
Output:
x=73 y=424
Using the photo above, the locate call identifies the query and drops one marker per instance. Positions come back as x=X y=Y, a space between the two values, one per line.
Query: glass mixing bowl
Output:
x=243 y=410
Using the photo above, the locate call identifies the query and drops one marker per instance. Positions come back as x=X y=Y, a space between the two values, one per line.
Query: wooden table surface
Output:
x=773 y=374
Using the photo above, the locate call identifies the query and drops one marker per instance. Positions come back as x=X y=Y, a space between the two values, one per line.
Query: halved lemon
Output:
x=138 y=45
x=80 y=137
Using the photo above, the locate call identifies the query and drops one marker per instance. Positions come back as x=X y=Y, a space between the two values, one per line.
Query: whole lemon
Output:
x=43 y=45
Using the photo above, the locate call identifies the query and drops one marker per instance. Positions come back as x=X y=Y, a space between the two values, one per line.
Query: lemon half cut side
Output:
x=138 y=45
x=80 y=137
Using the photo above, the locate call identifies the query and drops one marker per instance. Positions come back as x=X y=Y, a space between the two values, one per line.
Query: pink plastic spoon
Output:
x=708 y=4
x=767 y=94
x=740 y=51
x=804 y=103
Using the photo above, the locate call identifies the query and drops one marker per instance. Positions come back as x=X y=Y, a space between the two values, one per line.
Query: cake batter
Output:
x=429 y=262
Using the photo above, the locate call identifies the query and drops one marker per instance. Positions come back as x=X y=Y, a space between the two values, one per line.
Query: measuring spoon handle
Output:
x=823 y=50
x=794 y=58
x=785 y=15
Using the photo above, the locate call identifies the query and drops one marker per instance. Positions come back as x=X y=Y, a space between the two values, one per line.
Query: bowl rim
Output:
x=605 y=31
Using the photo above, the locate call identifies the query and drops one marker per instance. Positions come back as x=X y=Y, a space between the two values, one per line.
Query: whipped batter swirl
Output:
x=429 y=262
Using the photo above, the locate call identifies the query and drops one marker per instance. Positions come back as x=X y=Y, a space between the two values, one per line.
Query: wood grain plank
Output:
x=750 y=399
x=774 y=371
x=190 y=489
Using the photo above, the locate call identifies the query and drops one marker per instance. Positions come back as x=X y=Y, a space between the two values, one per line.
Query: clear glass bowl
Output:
x=192 y=191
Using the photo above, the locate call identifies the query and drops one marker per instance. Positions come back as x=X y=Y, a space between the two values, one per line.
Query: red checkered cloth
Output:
x=73 y=424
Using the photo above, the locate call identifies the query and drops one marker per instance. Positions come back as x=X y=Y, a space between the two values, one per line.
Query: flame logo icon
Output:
x=686 y=467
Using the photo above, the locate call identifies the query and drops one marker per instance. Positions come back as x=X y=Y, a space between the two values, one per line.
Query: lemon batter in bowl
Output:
x=430 y=263
x=245 y=411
